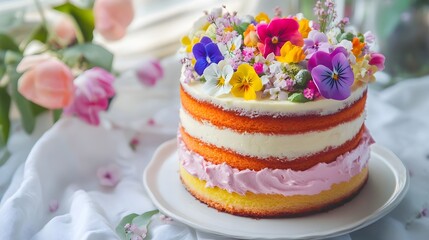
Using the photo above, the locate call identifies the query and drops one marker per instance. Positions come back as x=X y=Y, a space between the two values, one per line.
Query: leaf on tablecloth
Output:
x=120 y=229
x=134 y=224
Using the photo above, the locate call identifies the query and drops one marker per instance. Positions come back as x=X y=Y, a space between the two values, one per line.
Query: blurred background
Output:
x=402 y=27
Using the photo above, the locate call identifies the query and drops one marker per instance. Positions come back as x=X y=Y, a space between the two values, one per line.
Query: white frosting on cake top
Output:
x=253 y=108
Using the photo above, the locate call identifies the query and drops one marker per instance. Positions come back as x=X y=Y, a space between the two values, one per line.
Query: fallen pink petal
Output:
x=151 y=122
x=109 y=175
x=53 y=205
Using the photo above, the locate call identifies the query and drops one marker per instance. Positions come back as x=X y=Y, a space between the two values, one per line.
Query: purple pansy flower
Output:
x=206 y=52
x=332 y=73
x=316 y=41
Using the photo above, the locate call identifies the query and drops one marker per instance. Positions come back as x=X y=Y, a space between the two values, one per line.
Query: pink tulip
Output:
x=377 y=59
x=46 y=81
x=150 y=72
x=112 y=17
x=94 y=87
x=65 y=31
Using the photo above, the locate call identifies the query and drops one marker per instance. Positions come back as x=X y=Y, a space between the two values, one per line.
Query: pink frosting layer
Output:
x=286 y=182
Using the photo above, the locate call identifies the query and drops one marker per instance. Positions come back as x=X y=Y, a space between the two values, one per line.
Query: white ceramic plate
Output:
x=386 y=187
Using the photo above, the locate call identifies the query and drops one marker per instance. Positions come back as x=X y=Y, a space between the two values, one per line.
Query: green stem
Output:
x=41 y=13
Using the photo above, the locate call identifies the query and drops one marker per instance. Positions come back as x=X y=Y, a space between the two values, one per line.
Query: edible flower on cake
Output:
x=280 y=58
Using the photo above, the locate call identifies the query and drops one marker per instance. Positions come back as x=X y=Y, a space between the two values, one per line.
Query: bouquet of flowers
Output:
x=67 y=72
x=288 y=58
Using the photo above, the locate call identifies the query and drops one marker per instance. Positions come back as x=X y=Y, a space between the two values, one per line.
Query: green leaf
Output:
x=12 y=58
x=241 y=28
x=83 y=17
x=298 y=97
x=2 y=69
x=138 y=220
x=37 y=109
x=57 y=114
x=347 y=36
x=4 y=116
x=144 y=219
x=40 y=34
x=302 y=77
x=120 y=229
x=7 y=43
x=4 y=156
x=94 y=55
x=361 y=37
x=25 y=107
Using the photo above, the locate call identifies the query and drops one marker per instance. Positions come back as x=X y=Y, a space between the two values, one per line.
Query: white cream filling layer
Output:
x=265 y=145
x=252 y=108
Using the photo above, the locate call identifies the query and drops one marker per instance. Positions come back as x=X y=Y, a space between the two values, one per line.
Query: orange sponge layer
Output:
x=218 y=155
x=267 y=124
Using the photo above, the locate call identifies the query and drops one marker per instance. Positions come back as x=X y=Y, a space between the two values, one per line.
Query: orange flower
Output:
x=291 y=53
x=304 y=27
x=357 y=47
x=250 y=36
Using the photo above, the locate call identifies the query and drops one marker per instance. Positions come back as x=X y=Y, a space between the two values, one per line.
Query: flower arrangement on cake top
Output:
x=283 y=58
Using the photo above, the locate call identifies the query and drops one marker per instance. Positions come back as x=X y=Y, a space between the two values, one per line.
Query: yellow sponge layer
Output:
x=272 y=205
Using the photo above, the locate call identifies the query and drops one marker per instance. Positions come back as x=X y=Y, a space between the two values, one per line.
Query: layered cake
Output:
x=273 y=111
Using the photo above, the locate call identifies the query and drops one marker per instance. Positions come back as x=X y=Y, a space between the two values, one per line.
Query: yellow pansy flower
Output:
x=262 y=17
x=304 y=27
x=186 y=42
x=245 y=82
x=290 y=53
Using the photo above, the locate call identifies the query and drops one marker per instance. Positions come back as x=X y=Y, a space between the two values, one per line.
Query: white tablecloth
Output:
x=54 y=193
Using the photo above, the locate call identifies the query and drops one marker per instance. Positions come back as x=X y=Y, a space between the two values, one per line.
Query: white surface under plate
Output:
x=386 y=186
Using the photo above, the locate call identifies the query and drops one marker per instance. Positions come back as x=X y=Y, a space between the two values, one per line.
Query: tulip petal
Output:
x=26 y=85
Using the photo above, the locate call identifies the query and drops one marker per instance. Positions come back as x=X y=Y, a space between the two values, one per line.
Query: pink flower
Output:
x=109 y=176
x=112 y=17
x=94 y=87
x=308 y=93
x=313 y=88
x=377 y=59
x=65 y=31
x=275 y=34
x=46 y=81
x=150 y=72
x=259 y=67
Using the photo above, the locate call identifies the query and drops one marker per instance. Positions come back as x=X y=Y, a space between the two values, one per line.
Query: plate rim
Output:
x=169 y=147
